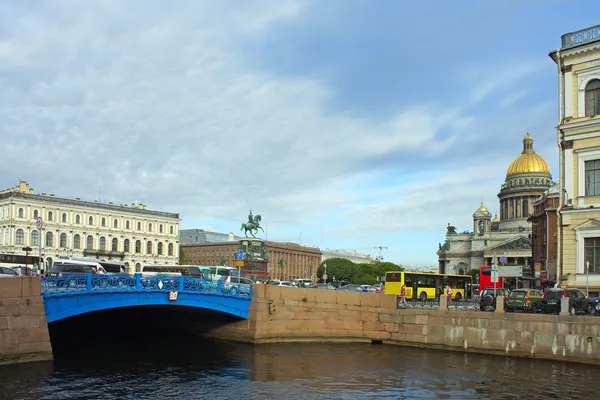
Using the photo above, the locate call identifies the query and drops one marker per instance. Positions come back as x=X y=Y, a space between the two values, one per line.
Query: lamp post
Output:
x=26 y=249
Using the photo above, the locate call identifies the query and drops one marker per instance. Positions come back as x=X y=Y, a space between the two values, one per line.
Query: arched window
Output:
x=126 y=245
x=20 y=236
x=20 y=213
x=89 y=242
x=63 y=240
x=592 y=98
x=525 y=208
x=170 y=249
x=126 y=224
x=103 y=221
x=138 y=246
x=149 y=247
x=115 y=245
x=78 y=219
x=159 y=249
x=91 y=221
x=64 y=217
x=102 y=243
x=139 y=226
x=171 y=230
x=35 y=238
x=149 y=227
x=160 y=228
x=35 y=214
x=50 y=215
x=115 y=223
x=76 y=242
x=49 y=241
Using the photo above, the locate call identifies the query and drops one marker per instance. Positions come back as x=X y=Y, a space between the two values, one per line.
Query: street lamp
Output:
x=26 y=249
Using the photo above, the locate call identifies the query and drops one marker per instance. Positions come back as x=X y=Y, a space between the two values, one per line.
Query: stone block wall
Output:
x=280 y=314
x=23 y=329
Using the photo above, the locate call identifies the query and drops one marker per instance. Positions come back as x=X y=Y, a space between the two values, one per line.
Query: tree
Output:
x=474 y=273
x=340 y=268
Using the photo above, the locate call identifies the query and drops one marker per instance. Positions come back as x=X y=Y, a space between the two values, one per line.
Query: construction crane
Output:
x=379 y=261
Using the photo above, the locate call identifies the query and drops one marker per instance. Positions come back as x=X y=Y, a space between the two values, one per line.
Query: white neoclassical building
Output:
x=76 y=228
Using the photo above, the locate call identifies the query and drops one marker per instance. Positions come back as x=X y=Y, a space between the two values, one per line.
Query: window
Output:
x=91 y=221
x=35 y=214
x=171 y=230
x=525 y=208
x=592 y=98
x=64 y=217
x=63 y=240
x=115 y=244
x=126 y=245
x=592 y=253
x=102 y=243
x=115 y=223
x=78 y=219
x=149 y=227
x=138 y=246
x=76 y=242
x=160 y=228
x=103 y=221
x=50 y=215
x=126 y=224
x=89 y=244
x=170 y=249
x=20 y=236
x=35 y=238
x=20 y=213
x=159 y=249
x=149 y=248
x=139 y=226
x=49 y=241
x=592 y=178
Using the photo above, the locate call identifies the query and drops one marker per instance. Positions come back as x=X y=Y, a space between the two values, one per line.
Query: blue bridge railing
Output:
x=118 y=283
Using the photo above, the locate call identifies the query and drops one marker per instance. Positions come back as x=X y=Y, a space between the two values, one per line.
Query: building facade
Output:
x=76 y=228
x=543 y=234
x=348 y=255
x=201 y=236
x=287 y=261
x=527 y=178
x=578 y=137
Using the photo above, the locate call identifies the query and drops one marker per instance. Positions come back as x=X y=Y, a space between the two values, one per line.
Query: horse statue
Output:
x=252 y=226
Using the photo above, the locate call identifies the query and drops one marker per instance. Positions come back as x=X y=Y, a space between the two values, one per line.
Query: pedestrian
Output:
x=449 y=293
x=403 y=294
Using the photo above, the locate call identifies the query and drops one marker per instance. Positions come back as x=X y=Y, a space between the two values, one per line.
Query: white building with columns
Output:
x=76 y=228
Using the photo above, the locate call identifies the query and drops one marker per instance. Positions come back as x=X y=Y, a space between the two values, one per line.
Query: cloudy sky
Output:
x=347 y=124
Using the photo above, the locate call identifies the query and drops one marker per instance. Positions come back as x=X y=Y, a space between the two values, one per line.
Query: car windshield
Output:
x=553 y=294
x=517 y=294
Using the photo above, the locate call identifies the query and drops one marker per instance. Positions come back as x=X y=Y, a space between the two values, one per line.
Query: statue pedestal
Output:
x=256 y=259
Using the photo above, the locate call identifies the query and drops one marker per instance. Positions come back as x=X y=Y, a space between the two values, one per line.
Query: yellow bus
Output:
x=427 y=286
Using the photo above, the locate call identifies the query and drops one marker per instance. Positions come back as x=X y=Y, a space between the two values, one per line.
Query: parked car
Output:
x=351 y=287
x=523 y=299
x=550 y=303
x=594 y=306
x=322 y=286
x=488 y=297
x=7 y=272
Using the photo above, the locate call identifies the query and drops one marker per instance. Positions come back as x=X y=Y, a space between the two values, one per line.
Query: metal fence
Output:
x=434 y=304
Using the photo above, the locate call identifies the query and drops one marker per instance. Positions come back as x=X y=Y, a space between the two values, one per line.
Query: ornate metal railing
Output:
x=434 y=304
x=464 y=305
x=118 y=283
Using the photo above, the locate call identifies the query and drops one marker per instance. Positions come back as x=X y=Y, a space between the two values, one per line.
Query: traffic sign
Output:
x=503 y=260
x=39 y=223
x=494 y=275
x=455 y=268
x=239 y=263
x=239 y=255
x=511 y=271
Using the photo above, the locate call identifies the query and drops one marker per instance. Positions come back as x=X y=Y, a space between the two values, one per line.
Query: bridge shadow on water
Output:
x=149 y=335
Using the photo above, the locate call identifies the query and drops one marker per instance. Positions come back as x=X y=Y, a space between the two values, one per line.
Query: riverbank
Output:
x=281 y=314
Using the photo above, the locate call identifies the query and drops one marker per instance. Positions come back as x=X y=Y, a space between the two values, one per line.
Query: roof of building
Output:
x=528 y=161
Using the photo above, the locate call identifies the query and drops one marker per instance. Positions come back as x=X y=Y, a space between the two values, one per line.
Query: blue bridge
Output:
x=72 y=295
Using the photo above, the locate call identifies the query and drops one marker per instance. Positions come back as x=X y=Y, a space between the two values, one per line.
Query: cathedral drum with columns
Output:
x=508 y=235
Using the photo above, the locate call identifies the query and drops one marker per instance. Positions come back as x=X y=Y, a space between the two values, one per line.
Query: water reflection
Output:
x=196 y=368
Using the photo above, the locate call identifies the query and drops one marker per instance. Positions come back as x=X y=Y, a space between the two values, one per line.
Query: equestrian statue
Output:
x=252 y=226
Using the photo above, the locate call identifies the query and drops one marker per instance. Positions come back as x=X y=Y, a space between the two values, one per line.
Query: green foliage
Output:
x=363 y=273
x=181 y=256
x=474 y=273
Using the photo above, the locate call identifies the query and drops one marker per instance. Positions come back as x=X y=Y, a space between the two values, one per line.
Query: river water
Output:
x=196 y=368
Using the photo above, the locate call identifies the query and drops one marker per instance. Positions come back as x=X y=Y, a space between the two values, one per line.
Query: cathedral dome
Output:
x=481 y=209
x=528 y=161
x=496 y=219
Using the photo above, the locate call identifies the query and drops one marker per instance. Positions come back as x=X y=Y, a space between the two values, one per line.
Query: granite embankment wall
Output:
x=281 y=314
x=23 y=329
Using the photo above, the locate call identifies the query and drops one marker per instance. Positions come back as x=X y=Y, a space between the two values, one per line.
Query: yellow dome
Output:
x=482 y=208
x=528 y=161
x=496 y=219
